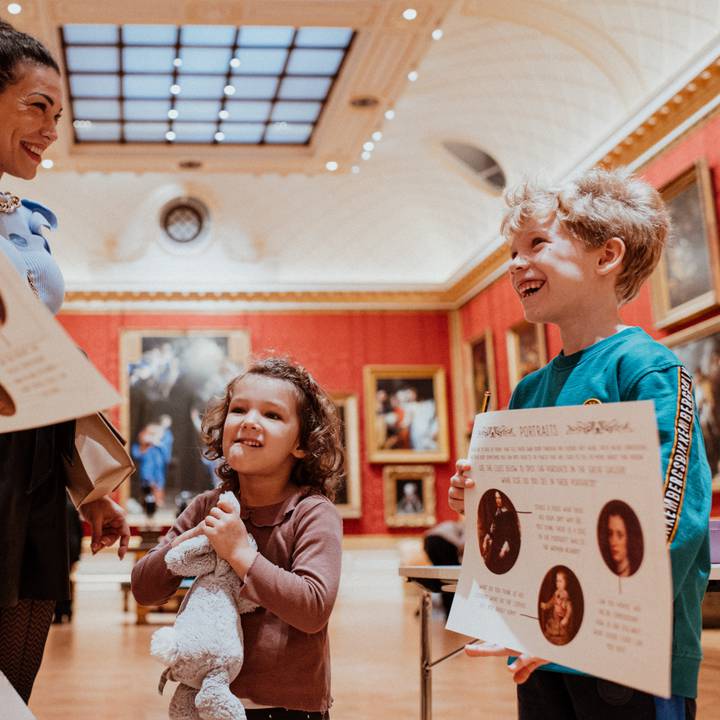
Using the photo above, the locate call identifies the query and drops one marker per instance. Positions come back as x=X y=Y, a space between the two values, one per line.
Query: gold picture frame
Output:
x=405 y=413
x=686 y=281
x=480 y=373
x=698 y=348
x=348 y=500
x=409 y=495
x=175 y=372
x=526 y=350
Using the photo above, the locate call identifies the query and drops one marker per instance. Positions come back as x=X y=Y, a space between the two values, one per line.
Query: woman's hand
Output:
x=108 y=524
x=458 y=482
x=229 y=537
x=521 y=668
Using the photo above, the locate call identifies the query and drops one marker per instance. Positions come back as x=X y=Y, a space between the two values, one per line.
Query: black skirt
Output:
x=33 y=519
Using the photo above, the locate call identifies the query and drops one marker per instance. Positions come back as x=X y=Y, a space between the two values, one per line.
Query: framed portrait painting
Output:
x=348 y=496
x=409 y=495
x=167 y=379
x=526 y=350
x=480 y=375
x=687 y=279
x=698 y=348
x=406 y=413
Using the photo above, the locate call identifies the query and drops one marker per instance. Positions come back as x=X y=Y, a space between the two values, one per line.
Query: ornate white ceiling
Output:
x=544 y=87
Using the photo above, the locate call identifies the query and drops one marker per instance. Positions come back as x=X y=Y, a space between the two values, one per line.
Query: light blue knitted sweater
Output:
x=21 y=239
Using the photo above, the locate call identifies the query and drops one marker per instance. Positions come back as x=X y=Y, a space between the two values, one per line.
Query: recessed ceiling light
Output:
x=172 y=114
x=332 y=166
x=47 y=163
x=223 y=114
x=412 y=76
x=365 y=155
x=170 y=135
x=377 y=136
x=437 y=33
x=410 y=13
x=219 y=136
x=14 y=8
x=177 y=62
x=235 y=62
x=389 y=114
x=369 y=146
x=229 y=90
x=355 y=169
x=175 y=89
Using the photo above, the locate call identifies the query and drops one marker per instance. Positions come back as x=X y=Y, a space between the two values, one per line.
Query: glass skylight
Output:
x=208 y=84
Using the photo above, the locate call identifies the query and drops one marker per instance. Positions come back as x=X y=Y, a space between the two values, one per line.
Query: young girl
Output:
x=277 y=435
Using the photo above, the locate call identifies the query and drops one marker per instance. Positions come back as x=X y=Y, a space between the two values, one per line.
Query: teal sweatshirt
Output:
x=630 y=365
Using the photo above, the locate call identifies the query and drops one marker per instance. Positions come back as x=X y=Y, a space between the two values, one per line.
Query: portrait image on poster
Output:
x=498 y=530
x=560 y=605
x=620 y=538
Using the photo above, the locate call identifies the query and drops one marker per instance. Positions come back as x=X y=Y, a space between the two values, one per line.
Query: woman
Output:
x=33 y=531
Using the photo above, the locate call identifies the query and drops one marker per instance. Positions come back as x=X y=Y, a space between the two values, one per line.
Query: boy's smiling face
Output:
x=553 y=273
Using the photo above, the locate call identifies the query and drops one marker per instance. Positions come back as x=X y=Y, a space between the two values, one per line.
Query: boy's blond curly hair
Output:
x=593 y=207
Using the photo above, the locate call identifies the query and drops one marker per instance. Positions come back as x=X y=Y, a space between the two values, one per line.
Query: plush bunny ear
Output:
x=191 y=557
x=230 y=498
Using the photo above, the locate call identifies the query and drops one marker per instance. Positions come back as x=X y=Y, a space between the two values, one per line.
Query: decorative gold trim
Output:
x=696 y=94
x=348 y=402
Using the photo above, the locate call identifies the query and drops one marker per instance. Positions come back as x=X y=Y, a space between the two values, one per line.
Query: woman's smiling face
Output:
x=29 y=112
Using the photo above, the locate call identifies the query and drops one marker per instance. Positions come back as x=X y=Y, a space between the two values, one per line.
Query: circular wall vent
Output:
x=484 y=167
x=185 y=222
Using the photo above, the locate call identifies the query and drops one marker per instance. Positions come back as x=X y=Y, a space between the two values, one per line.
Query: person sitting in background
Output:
x=444 y=545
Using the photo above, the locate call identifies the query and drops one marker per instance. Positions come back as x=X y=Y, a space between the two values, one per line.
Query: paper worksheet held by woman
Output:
x=44 y=378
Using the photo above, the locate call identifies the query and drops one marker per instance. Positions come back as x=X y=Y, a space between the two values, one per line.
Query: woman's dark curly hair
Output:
x=17 y=48
x=321 y=469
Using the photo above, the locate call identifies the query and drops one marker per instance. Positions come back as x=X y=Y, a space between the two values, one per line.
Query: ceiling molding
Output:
x=696 y=94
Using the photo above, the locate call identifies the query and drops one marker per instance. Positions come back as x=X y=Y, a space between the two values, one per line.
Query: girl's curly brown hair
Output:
x=321 y=469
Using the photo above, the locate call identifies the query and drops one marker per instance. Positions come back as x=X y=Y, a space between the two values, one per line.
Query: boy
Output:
x=578 y=253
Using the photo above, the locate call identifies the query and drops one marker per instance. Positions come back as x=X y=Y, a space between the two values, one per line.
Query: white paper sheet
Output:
x=44 y=378
x=545 y=569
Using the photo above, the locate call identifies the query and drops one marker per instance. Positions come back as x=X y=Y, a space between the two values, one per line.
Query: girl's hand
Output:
x=521 y=668
x=108 y=523
x=229 y=537
x=191 y=533
x=458 y=482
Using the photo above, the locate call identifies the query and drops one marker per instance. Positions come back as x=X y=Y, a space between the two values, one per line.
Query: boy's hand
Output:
x=229 y=537
x=521 y=668
x=458 y=482
x=108 y=523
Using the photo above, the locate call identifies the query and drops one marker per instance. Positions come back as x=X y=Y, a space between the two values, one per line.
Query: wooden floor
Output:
x=99 y=668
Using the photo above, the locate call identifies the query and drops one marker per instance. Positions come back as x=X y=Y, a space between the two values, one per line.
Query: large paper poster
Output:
x=565 y=554
x=44 y=378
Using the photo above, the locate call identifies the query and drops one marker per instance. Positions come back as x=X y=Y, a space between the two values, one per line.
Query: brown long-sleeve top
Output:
x=294 y=579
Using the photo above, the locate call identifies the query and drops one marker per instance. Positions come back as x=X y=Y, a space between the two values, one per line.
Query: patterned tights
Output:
x=24 y=630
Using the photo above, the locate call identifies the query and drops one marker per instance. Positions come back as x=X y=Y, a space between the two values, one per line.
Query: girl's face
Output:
x=560 y=582
x=29 y=112
x=617 y=539
x=261 y=430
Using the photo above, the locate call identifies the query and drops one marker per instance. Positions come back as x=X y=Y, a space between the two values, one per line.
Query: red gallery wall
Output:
x=333 y=345
x=498 y=308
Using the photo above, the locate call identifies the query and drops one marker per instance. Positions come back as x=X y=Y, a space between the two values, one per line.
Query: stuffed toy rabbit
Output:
x=203 y=651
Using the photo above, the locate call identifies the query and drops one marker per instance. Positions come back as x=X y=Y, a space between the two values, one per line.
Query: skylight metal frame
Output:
x=230 y=75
